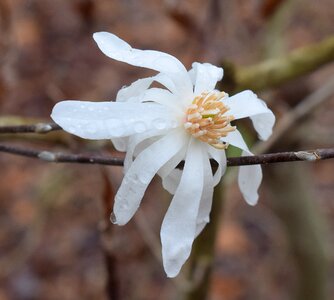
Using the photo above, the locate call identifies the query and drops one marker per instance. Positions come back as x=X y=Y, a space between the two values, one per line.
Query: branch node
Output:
x=43 y=128
x=47 y=156
x=308 y=156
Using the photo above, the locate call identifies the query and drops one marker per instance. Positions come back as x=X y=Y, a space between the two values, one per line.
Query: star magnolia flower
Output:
x=187 y=120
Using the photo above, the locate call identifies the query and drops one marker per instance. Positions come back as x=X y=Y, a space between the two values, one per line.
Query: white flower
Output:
x=187 y=120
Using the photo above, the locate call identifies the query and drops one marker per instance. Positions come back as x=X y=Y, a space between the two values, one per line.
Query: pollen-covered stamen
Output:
x=206 y=119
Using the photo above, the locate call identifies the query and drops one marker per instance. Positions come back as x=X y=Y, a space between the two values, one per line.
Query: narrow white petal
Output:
x=234 y=138
x=220 y=157
x=205 y=77
x=249 y=180
x=263 y=124
x=247 y=104
x=164 y=97
x=120 y=144
x=179 y=226
x=175 y=160
x=250 y=177
x=133 y=90
x=170 y=176
x=133 y=142
x=167 y=82
x=203 y=216
x=105 y=120
x=172 y=181
x=141 y=172
x=114 y=47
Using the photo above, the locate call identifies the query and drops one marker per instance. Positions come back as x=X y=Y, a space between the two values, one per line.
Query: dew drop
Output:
x=145 y=177
x=113 y=218
x=139 y=127
x=124 y=206
x=159 y=123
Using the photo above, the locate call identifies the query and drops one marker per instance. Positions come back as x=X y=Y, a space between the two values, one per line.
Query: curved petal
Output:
x=163 y=97
x=114 y=47
x=105 y=120
x=220 y=157
x=172 y=181
x=247 y=104
x=121 y=143
x=203 y=216
x=134 y=89
x=249 y=180
x=179 y=225
x=250 y=177
x=205 y=77
x=170 y=176
x=141 y=172
x=235 y=139
x=133 y=142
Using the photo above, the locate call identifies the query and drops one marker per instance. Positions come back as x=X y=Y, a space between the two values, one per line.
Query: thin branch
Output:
x=58 y=157
x=34 y=128
x=275 y=71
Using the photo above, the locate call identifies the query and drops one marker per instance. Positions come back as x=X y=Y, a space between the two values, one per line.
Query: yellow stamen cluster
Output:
x=206 y=119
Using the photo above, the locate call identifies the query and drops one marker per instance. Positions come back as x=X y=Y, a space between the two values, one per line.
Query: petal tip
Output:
x=251 y=200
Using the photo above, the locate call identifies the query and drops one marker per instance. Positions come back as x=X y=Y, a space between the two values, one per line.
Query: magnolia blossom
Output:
x=159 y=127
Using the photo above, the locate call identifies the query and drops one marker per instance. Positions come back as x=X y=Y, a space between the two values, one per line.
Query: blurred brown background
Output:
x=52 y=237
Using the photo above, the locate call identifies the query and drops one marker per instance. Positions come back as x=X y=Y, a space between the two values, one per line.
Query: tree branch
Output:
x=35 y=128
x=275 y=71
x=58 y=157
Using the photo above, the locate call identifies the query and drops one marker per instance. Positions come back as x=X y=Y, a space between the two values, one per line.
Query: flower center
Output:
x=206 y=119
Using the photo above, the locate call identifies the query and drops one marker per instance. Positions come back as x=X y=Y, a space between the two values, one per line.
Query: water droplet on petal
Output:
x=145 y=177
x=124 y=206
x=113 y=218
x=159 y=123
x=139 y=127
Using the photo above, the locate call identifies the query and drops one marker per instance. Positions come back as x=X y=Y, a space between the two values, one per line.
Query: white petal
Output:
x=235 y=139
x=133 y=142
x=105 y=120
x=135 y=89
x=164 y=97
x=249 y=177
x=118 y=49
x=141 y=172
x=205 y=77
x=179 y=226
x=220 y=157
x=203 y=216
x=249 y=180
x=246 y=104
x=170 y=176
x=172 y=181
x=120 y=144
